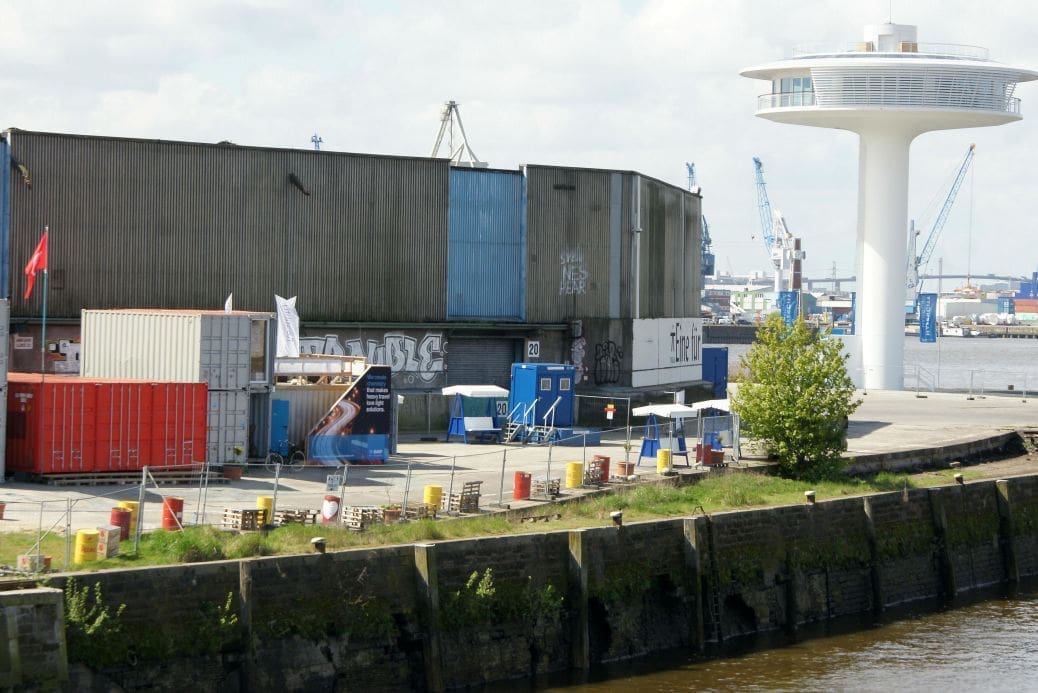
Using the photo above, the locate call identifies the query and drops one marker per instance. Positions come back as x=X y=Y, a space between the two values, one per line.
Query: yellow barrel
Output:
x=432 y=495
x=663 y=460
x=574 y=474
x=86 y=545
x=266 y=504
x=134 y=508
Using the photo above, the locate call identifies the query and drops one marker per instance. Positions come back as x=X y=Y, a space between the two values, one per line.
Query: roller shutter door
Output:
x=481 y=361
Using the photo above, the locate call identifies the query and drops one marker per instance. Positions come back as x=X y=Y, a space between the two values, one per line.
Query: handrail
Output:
x=511 y=414
x=551 y=411
x=527 y=413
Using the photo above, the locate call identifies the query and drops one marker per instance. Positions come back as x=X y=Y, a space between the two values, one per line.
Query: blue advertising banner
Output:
x=928 y=317
x=788 y=305
x=357 y=427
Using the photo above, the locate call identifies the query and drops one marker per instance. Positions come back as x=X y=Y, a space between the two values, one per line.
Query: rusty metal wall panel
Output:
x=571 y=244
x=669 y=251
x=146 y=223
x=486 y=256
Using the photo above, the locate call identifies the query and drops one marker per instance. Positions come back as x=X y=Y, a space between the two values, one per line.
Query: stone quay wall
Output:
x=461 y=613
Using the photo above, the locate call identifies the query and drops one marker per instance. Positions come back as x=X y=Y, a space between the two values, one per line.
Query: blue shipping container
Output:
x=486 y=242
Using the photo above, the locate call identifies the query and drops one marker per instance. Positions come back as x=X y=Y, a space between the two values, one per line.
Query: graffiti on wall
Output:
x=573 y=273
x=577 y=351
x=413 y=360
x=608 y=359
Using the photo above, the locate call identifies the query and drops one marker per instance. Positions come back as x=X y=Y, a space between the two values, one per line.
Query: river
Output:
x=957 y=363
x=978 y=646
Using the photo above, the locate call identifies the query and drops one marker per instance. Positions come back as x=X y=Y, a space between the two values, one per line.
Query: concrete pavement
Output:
x=887 y=423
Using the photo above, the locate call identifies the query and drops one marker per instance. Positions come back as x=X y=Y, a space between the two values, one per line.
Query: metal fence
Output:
x=417 y=484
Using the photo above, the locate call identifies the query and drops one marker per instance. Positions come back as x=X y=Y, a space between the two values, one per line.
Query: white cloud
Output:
x=642 y=85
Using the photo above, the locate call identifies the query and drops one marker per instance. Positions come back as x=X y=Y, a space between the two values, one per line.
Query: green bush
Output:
x=796 y=398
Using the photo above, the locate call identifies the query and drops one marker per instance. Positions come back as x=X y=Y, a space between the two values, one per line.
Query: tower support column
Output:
x=883 y=259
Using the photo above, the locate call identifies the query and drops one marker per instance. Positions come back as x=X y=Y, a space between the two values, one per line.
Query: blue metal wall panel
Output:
x=5 y=218
x=486 y=245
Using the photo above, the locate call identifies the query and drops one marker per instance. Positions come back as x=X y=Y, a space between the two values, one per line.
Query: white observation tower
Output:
x=888 y=88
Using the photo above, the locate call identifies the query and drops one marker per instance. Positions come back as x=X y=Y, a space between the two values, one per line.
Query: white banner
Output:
x=667 y=350
x=288 y=327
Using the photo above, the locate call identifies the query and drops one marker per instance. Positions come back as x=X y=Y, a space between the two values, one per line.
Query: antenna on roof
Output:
x=463 y=155
x=316 y=139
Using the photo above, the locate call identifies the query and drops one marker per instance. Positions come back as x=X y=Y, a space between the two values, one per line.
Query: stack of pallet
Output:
x=290 y=516
x=242 y=520
x=465 y=502
x=544 y=487
x=358 y=517
x=421 y=511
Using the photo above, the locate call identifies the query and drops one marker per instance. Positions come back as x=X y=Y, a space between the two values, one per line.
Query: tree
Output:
x=795 y=398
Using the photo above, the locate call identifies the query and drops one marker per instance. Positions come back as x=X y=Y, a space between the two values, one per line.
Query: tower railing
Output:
x=864 y=96
x=927 y=50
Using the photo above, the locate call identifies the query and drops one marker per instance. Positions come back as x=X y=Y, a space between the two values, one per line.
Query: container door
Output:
x=228 y=427
x=279 y=417
x=225 y=351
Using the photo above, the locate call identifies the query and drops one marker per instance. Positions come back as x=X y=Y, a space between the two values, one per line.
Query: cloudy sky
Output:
x=625 y=84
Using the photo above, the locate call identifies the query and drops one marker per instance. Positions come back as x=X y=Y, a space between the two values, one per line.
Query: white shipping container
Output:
x=227 y=436
x=5 y=346
x=227 y=351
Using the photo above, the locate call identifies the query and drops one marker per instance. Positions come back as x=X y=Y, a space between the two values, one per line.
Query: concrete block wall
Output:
x=641 y=592
x=906 y=546
x=519 y=641
x=374 y=619
x=33 y=656
x=973 y=534
x=1022 y=500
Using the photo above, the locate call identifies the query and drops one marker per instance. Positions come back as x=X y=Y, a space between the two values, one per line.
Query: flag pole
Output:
x=43 y=331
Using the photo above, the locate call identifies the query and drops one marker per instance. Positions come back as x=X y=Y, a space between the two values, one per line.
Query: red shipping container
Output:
x=68 y=424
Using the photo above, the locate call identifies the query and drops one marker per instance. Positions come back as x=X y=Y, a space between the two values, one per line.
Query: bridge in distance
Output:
x=837 y=281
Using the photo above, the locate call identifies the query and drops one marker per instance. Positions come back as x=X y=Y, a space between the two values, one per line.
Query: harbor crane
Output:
x=706 y=264
x=915 y=262
x=782 y=247
x=462 y=155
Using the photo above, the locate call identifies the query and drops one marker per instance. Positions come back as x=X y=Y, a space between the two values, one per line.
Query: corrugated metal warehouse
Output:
x=446 y=274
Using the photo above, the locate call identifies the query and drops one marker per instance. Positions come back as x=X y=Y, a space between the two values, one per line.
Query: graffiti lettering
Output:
x=573 y=273
x=421 y=360
x=608 y=359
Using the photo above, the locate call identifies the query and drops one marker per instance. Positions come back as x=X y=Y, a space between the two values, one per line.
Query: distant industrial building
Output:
x=447 y=274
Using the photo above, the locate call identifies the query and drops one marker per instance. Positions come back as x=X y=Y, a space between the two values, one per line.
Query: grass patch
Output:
x=714 y=493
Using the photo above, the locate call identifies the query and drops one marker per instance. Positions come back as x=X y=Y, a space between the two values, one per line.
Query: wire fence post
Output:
x=501 y=487
x=274 y=498
x=450 y=487
x=407 y=490
x=547 y=476
x=68 y=533
x=1025 y=388
x=140 y=511
x=39 y=532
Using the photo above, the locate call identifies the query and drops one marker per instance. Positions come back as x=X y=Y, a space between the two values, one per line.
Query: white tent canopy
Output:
x=681 y=411
x=475 y=391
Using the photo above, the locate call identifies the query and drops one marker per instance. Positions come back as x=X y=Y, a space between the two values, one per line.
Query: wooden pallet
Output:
x=543 y=487
x=242 y=520
x=359 y=517
x=301 y=517
x=169 y=477
x=465 y=502
x=421 y=511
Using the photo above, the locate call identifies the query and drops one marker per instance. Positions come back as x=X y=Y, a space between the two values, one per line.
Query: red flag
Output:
x=37 y=262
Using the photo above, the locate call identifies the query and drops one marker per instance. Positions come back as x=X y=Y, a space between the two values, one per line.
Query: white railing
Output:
x=928 y=50
x=893 y=88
